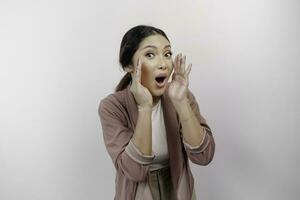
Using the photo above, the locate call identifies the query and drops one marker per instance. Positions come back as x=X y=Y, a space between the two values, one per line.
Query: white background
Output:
x=59 y=58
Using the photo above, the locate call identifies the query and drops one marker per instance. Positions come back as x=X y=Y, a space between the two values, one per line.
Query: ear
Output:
x=128 y=68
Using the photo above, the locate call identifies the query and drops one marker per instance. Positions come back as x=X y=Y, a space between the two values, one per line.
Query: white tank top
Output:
x=159 y=138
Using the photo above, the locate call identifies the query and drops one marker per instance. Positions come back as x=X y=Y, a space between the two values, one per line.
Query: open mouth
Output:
x=161 y=80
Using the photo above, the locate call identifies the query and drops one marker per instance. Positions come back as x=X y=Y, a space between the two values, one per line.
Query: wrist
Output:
x=184 y=110
x=180 y=105
x=145 y=108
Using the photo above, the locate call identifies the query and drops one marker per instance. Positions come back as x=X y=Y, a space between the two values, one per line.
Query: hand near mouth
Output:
x=141 y=94
x=178 y=87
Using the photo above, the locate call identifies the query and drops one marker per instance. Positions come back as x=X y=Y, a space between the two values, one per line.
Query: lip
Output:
x=161 y=74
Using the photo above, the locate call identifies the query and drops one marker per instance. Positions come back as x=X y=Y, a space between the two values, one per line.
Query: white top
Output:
x=159 y=138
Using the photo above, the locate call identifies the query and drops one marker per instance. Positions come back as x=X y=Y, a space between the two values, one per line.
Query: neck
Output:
x=155 y=100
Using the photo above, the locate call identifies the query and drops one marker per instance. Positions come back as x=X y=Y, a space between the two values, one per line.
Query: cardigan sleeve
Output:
x=126 y=157
x=203 y=153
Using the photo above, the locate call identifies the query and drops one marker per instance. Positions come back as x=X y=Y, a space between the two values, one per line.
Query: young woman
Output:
x=151 y=125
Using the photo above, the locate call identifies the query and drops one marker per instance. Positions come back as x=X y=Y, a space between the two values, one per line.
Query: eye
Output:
x=149 y=55
x=169 y=54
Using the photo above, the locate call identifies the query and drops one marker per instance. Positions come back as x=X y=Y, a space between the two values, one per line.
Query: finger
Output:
x=183 y=65
x=135 y=71
x=175 y=64
x=187 y=72
x=134 y=74
x=173 y=76
x=178 y=64
x=138 y=70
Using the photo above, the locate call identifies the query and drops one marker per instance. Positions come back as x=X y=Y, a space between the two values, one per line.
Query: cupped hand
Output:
x=178 y=87
x=141 y=94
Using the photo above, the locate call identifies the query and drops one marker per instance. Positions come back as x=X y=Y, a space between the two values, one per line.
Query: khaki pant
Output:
x=160 y=183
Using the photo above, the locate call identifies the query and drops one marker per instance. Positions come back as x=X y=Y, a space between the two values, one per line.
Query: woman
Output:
x=152 y=126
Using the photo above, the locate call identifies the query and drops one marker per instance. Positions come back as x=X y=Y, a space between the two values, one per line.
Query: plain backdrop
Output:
x=59 y=58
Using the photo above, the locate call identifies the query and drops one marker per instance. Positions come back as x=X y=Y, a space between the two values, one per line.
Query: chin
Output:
x=158 y=92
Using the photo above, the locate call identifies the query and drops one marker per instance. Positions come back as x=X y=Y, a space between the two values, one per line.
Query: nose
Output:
x=162 y=64
x=162 y=67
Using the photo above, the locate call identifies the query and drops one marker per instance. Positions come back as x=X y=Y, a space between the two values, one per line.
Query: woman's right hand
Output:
x=141 y=94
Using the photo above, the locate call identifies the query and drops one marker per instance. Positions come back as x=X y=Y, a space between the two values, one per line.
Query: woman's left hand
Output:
x=178 y=87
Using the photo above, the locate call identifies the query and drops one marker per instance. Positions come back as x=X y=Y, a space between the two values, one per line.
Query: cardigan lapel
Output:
x=173 y=140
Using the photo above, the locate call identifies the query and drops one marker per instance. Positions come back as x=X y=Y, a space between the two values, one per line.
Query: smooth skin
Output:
x=153 y=57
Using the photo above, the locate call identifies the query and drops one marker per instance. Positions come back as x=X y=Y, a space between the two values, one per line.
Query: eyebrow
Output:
x=151 y=46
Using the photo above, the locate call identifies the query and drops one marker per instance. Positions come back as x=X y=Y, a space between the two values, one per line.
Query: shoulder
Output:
x=113 y=102
x=115 y=97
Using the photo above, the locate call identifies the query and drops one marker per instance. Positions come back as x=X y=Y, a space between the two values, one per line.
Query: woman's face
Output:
x=156 y=57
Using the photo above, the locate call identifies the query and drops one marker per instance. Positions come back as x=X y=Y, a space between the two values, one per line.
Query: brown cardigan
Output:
x=118 y=114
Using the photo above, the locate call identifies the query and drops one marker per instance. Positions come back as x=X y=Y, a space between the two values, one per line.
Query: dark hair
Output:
x=130 y=43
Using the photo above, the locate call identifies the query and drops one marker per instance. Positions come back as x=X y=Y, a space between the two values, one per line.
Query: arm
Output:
x=193 y=133
x=197 y=136
x=126 y=155
x=142 y=137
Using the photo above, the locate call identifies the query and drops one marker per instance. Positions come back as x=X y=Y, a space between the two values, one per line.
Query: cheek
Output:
x=146 y=75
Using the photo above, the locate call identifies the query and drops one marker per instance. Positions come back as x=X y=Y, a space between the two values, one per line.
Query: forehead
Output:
x=154 y=40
